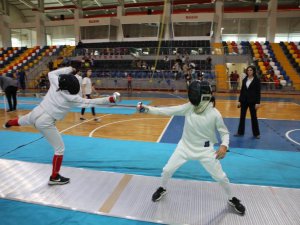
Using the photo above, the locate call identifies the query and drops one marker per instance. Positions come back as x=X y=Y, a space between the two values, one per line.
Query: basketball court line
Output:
x=83 y=123
x=287 y=134
x=121 y=121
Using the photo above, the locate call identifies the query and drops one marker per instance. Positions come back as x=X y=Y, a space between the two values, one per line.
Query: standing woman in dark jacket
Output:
x=249 y=97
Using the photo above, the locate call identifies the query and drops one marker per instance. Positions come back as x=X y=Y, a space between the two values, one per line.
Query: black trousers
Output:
x=93 y=108
x=22 y=84
x=11 y=94
x=254 y=121
x=129 y=86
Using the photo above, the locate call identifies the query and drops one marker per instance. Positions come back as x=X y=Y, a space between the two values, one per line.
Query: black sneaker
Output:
x=160 y=192
x=234 y=202
x=59 y=180
x=6 y=125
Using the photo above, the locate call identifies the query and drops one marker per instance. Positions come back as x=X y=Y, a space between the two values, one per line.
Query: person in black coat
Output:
x=249 y=98
x=10 y=88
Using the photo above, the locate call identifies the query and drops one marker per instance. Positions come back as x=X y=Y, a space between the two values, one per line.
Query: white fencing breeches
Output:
x=208 y=161
x=46 y=125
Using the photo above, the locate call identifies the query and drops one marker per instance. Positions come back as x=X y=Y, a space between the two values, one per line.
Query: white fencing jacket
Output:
x=58 y=103
x=198 y=128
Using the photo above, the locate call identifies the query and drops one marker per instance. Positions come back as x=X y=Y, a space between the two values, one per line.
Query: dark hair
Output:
x=213 y=100
x=253 y=68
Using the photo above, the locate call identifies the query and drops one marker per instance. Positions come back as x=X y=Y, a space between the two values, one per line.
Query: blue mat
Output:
x=272 y=134
x=20 y=213
x=243 y=165
x=23 y=105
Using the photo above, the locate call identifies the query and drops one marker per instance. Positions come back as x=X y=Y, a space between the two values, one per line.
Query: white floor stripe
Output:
x=287 y=134
x=121 y=121
x=82 y=123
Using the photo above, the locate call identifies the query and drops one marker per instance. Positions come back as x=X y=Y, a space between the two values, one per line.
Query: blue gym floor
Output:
x=272 y=160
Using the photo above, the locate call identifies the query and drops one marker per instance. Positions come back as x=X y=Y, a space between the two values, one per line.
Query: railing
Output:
x=270 y=86
x=153 y=51
x=162 y=81
x=142 y=79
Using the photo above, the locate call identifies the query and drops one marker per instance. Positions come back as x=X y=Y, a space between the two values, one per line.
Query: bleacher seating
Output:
x=9 y=54
x=235 y=48
x=25 y=58
x=268 y=67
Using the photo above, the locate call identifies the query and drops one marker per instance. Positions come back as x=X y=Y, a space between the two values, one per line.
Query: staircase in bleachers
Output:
x=221 y=76
x=292 y=52
x=291 y=72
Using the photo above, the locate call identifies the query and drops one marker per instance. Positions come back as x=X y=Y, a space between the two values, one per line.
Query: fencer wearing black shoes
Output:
x=202 y=120
x=60 y=98
x=160 y=192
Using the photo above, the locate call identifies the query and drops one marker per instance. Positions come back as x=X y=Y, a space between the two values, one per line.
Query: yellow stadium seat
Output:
x=262 y=68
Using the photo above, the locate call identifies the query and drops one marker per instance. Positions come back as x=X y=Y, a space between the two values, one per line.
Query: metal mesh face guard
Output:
x=205 y=97
x=199 y=91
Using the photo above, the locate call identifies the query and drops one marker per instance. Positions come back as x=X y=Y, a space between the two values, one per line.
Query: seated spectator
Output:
x=42 y=83
x=200 y=76
x=208 y=63
x=22 y=79
x=50 y=65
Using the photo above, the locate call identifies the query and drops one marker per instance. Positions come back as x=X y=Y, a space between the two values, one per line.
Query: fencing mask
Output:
x=199 y=94
x=69 y=83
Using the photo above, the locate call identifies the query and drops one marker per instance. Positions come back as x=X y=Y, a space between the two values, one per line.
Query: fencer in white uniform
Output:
x=62 y=95
x=202 y=120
